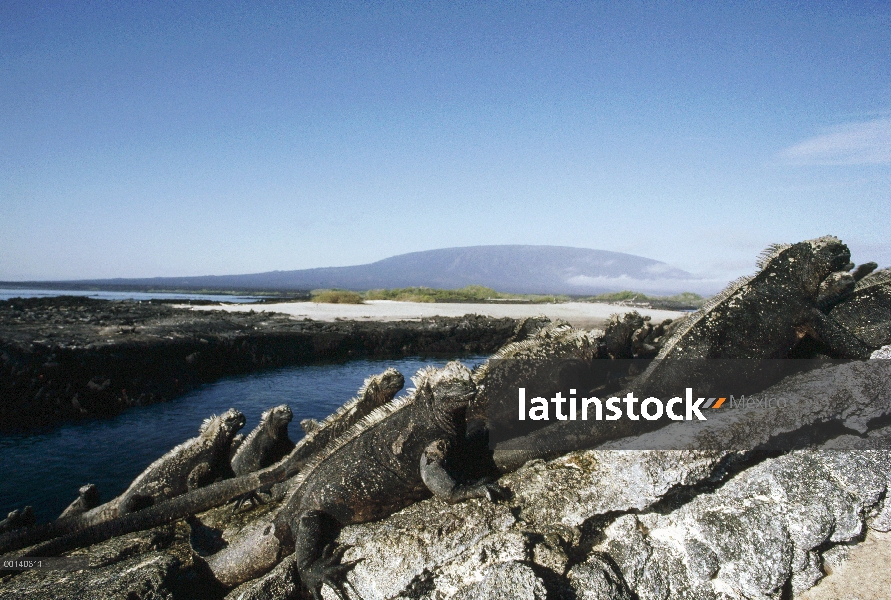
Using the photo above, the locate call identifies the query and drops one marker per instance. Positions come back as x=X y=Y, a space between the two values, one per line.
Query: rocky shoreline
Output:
x=68 y=358
x=384 y=499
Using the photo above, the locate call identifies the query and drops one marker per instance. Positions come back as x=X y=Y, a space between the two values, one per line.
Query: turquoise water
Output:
x=7 y=293
x=45 y=469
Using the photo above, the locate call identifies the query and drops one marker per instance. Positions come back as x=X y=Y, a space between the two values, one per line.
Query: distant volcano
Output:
x=516 y=269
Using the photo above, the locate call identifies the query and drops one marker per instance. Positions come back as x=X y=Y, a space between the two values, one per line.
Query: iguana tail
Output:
x=76 y=532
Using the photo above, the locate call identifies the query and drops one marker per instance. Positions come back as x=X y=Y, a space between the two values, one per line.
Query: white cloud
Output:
x=866 y=143
x=659 y=268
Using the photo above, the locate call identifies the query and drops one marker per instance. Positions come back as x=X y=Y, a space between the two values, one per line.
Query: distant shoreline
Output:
x=579 y=314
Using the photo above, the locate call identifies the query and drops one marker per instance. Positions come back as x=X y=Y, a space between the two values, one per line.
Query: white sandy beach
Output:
x=580 y=314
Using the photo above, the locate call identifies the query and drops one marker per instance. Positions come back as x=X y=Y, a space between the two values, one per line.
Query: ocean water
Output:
x=45 y=469
x=7 y=293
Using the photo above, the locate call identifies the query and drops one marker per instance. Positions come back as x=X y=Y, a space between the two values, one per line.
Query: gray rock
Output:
x=598 y=579
x=883 y=352
x=278 y=583
x=426 y=537
x=506 y=581
x=143 y=577
x=761 y=531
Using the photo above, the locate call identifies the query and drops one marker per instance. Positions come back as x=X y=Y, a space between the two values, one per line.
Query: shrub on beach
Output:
x=336 y=297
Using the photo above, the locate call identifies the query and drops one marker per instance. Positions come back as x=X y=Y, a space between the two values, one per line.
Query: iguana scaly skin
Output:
x=266 y=444
x=194 y=463
x=757 y=317
x=86 y=529
x=395 y=456
x=866 y=310
x=87 y=498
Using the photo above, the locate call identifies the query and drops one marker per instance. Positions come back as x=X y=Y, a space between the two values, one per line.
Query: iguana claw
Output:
x=328 y=570
x=253 y=498
x=495 y=492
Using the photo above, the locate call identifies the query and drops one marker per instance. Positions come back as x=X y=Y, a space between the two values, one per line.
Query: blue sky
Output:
x=164 y=139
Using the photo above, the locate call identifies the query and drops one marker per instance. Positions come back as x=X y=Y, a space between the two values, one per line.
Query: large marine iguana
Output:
x=395 y=456
x=762 y=316
x=268 y=443
x=758 y=317
x=195 y=463
x=91 y=528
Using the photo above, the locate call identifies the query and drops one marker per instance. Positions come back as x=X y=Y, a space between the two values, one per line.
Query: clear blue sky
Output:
x=183 y=138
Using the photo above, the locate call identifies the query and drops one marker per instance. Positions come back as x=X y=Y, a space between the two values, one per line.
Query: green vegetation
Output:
x=682 y=301
x=481 y=294
x=471 y=293
x=336 y=297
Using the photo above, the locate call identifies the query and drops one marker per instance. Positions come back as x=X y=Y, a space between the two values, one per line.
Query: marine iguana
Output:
x=757 y=317
x=17 y=518
x=88 y=498
x=194 y=463
x=375 y=392
x=395 y=456
x=762 y=316
x=89 y=528
x=866 y=310
x=549 y=358
x=267 y=443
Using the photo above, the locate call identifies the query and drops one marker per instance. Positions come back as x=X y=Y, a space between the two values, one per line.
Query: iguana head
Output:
x=830 y=255
x=807 y=264
x=277 y=418
x=380 y=389
x=830 y=252
x=223 y=427
x=390 y=382
x=452 y=388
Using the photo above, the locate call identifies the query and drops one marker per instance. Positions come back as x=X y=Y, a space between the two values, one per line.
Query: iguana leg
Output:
x=439 y=481
x=319 y=564
x=199 y=477
x=253 y=498
x=839 y=340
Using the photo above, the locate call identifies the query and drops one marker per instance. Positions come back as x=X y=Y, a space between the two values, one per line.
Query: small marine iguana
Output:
x=866 y=310
x=88 y=498
x=17 y=518
x=757 y=317
x=194 y=463
x=65 y=534
x=549 y=358
x=266 y=444
x=395 y=456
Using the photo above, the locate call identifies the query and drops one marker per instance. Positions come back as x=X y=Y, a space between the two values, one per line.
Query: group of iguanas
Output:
x=377 y=454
